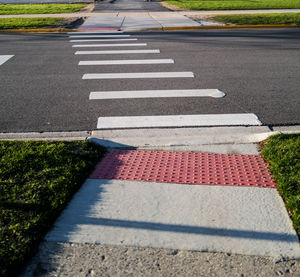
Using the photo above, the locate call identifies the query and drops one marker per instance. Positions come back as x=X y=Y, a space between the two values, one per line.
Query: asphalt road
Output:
x=101 y=5
x=128 y=6
x=41 y=87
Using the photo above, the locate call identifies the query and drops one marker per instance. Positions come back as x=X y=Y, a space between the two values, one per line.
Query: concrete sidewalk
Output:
x=137 y=21
x=181 y=200
x=160 y=13
x=162 y=213
x=130 y=21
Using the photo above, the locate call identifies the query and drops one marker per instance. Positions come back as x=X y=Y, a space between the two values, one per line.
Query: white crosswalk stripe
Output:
x=177 y=121
x=103 y=40
x=110 y=45
x=5 y=58
x=120 y=62
x=156 y=94
x=138 y=75
x=95 y=33
x=112 y=52
x=99 y=36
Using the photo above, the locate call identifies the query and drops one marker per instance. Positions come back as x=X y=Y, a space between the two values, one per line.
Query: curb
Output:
x=182 y=28
x=82 y=135
x=48 y=30
x=72 y=135
x=179 y=28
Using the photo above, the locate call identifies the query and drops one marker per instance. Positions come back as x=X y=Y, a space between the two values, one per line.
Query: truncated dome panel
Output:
x=185 y=168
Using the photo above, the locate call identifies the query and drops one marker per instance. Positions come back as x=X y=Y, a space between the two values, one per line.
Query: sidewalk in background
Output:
x=129 y=21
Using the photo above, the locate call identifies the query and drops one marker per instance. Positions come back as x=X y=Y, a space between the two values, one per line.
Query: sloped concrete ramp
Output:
x=238 y=220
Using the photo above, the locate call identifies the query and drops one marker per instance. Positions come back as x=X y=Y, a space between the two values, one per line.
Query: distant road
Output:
x=128 y=6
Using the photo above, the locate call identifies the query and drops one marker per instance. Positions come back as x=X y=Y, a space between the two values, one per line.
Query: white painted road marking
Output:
x=95 y=33
x=177 y=121
x=156 y=94
x=118 y=62
x=100 y=40
x=104 y=52
x=110 y=45
x=100 y=36
x=138 y=75
x=5 y=58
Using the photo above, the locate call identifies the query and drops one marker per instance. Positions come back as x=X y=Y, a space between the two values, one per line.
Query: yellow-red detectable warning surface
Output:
x=185 y=168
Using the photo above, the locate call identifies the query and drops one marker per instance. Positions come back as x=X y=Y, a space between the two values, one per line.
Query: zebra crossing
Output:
x=119 y=62
x=99 y=36
x=5 y=58
x=116 y=39
x=102 y=40
x=215 y=93
x=110 y=52
x=138 y=75
x=175 y=121
x=110 y=45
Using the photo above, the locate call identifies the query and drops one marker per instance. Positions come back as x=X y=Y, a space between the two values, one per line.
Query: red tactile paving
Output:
x=98 y=28
x=185 y=168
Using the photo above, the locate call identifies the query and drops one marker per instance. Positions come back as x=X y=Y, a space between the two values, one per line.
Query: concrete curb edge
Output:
x=220 y=27
x=83 y=135
x=41 y=30
x=180 y=28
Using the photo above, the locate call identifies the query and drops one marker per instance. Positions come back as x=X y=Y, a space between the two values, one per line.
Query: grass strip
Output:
x=260 y=19
x=283 y=154
x=37 y=179
x=235 y=4
x=40 y=8
x=28 y=23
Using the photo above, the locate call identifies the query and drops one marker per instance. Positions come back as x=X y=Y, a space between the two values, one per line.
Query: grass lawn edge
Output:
x=282 y=153
x=22 y=9
x=288 y=19
x=39 y=24
x=37 y=180
x=223 y=5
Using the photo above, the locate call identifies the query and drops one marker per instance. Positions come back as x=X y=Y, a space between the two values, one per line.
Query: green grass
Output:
x=283 y=154
x=236 y=4
x=256 y=19
x=40 y=8
x=37 y=179
x=28 y=23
